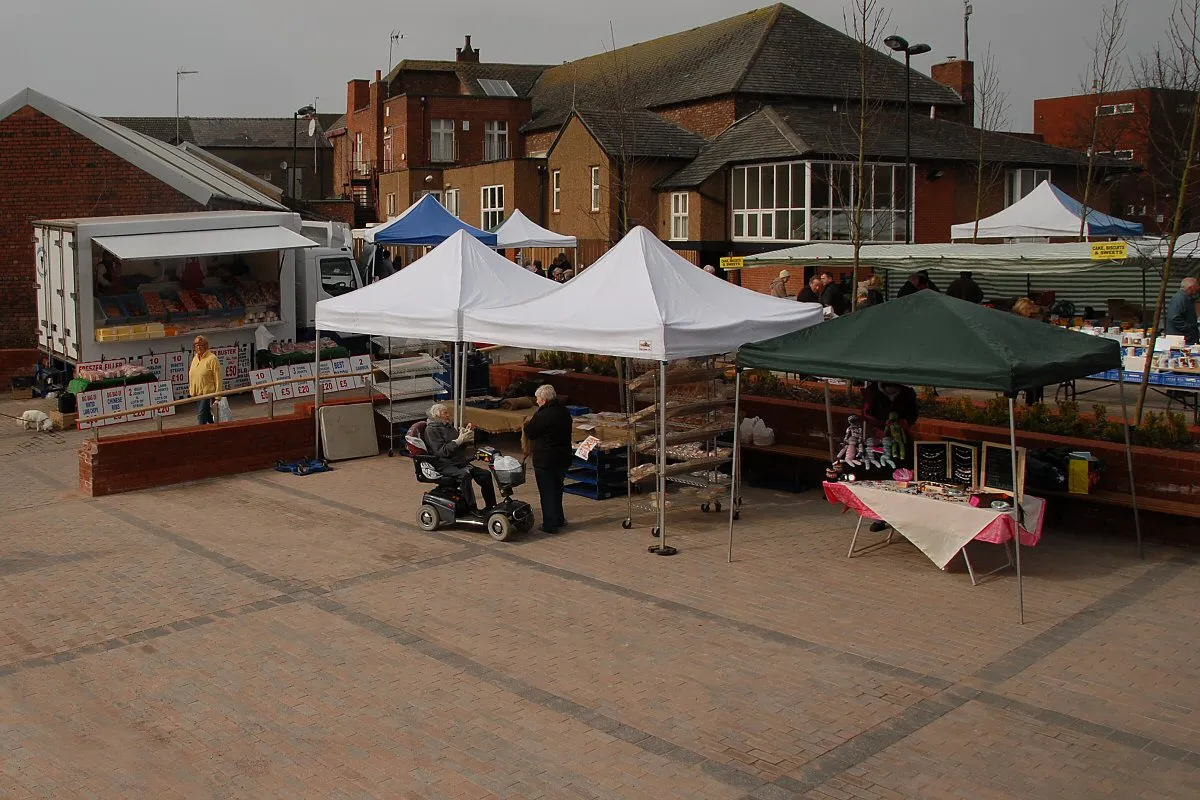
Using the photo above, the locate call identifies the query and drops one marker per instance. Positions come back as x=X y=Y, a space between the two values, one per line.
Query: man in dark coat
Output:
x=812 y=292
x=964 y=287
x=831 y=295
x=549 y=435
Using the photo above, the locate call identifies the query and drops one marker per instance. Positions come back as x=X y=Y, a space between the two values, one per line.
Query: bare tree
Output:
x=1177 y=62
x=1105 y=74
x=865 y=21
x=991 y=105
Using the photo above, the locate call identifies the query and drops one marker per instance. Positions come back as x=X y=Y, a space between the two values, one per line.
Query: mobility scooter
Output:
x=448 y=504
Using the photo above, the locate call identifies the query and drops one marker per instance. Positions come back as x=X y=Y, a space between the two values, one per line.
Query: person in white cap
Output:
x=779 y=285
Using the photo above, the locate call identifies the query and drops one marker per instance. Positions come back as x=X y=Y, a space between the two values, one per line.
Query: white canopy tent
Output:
x=428 y=298
x=1047 y=211
x=643 y=300
x=520 y=231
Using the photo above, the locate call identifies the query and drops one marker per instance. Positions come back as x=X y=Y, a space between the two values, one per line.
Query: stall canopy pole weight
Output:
x=317 y=400
x=661 y=548
x=828 y=419
x=1137 y=523
x=733 y=470
x=1016 y=509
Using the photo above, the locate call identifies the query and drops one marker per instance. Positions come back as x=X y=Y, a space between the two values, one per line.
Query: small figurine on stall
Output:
x=895 y=431
x=851 y=442
x=870 y=455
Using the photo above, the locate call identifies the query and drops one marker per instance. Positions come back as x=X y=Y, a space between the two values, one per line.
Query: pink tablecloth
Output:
x=938 y=527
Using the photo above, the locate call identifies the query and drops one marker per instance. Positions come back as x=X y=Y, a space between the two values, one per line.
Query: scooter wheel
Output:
x=302 y=468
x=627 y=523
x=428 y=518
x=499 y=527
x=704 y=507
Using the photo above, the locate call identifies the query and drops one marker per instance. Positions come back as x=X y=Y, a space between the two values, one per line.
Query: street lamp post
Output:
x=901 y=45
x=302 y=112
x=179 y=73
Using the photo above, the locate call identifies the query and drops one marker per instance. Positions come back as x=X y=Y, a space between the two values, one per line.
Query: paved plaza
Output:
x=276 y=636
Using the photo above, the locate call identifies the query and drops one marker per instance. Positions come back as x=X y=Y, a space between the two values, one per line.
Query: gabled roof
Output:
x=188 y=175
x=772 y=52
x=522 y=77
x=775 y=132
x=336 y=127
x=637 y=134
x=215 y=132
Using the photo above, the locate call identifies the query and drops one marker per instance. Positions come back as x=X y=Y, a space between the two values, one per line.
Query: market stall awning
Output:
x=1046 y=211
x=929 y=339
x=520 y=231
x=641 y=300
x=425 y=222
x=426 y=299
x=1025 y=258
x=203 y=243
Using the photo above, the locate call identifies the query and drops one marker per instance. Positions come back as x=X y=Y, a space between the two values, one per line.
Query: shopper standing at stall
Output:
x=880 y=401
x=1181 y=313
x=779 y=285
x=831 y=295
x=549 y=435
x=812 y=292
x=204 y=378
x=964 y=287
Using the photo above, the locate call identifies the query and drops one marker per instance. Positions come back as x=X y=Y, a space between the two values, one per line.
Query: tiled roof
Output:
x=216 y=132
x=774 y=52
x=641 y=134
x=187 y=174
x=776 y=132
x=522 y=77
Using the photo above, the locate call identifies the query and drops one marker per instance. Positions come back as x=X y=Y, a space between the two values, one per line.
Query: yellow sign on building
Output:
x=733 y=262
x=1110 y=251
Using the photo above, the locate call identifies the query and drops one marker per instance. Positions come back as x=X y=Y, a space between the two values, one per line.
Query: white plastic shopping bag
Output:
x=221 y=410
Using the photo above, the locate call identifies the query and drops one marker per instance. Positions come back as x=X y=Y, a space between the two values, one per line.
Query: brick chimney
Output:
x=960 y=76
x=466 y=53
x=358 y=95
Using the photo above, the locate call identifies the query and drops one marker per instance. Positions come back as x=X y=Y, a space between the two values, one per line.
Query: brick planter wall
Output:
x=1162 y=474
x=144 y=460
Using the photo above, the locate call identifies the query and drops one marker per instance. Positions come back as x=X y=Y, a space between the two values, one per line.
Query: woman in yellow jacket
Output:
x=204 y=378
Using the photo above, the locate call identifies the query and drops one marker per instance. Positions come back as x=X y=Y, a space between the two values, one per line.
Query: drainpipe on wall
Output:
x=542 y=177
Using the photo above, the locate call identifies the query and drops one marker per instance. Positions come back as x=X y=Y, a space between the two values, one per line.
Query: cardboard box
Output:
x=1082 y=472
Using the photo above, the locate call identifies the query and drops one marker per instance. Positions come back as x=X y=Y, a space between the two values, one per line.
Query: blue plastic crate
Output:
x=578 y=411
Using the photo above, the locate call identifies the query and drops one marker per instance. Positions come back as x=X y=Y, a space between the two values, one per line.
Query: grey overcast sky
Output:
x=269 y=57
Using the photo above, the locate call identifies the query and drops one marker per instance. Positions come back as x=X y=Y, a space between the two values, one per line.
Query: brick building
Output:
x=258 y=145
x=664 y=133
x=57 y=161
x=1146 y=128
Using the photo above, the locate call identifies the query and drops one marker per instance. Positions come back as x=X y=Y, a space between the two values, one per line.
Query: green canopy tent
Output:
x=929 y=339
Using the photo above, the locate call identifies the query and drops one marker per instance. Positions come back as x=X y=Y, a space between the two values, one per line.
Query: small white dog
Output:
x=36 y=421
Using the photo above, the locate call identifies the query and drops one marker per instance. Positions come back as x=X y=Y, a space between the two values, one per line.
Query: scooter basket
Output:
x=510 y=478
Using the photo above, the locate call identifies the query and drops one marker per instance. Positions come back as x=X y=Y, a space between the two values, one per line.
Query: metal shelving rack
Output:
x=408 y=385
x=704 y=406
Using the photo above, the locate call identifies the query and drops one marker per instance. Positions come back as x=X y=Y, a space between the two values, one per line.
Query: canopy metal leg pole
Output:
x=391 y=402
x=733 y=470
x=317 y=399
x=661 y=548
x=1137 y=523
x=1016 y=510
x=828 y=419
x=455 y=371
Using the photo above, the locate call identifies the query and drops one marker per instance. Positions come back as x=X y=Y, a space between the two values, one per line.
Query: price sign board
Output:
x=160 y=392
x=137 y=399
x=304 y=374
x=284 y=391
x=89 y=404
x=258 y=377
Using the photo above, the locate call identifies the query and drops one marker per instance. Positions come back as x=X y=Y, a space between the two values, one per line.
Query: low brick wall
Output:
x=17 y=363
x=117 y=464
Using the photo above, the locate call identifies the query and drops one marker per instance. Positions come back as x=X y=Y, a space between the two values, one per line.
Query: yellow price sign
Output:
x=733 y=262
x=1110 y=251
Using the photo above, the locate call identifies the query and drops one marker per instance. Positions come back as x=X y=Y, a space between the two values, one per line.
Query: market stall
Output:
x=428 y=299
x=1047 y=211
x=519 y=231
x=425 y=223
x=642 y=300
x=928 y=339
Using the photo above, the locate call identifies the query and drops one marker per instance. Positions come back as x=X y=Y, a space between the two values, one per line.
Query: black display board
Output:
x=996 y=469
x=931 y=462
x=964 y=464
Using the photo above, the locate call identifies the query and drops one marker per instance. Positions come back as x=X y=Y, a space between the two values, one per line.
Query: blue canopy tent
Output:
x=426 y=223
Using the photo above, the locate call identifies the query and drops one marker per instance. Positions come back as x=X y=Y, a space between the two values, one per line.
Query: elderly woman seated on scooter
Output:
x=454 y=449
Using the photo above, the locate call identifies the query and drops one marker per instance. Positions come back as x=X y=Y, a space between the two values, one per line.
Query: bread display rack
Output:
x=699 y=419
x=407 y=387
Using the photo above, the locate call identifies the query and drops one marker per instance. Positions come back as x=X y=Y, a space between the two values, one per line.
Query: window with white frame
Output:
x=802 y=201
x=1020 y=182
x=417 y=195
x=595 y=171
x=1114 y=109
x=556 y=190
x=1123 y=155
x=441 y=140
x=387 y=152
x=495 y=141
x=679 y=216
x=358 y=152
x=391 y=204
x=451 y=201
x=492 y=207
